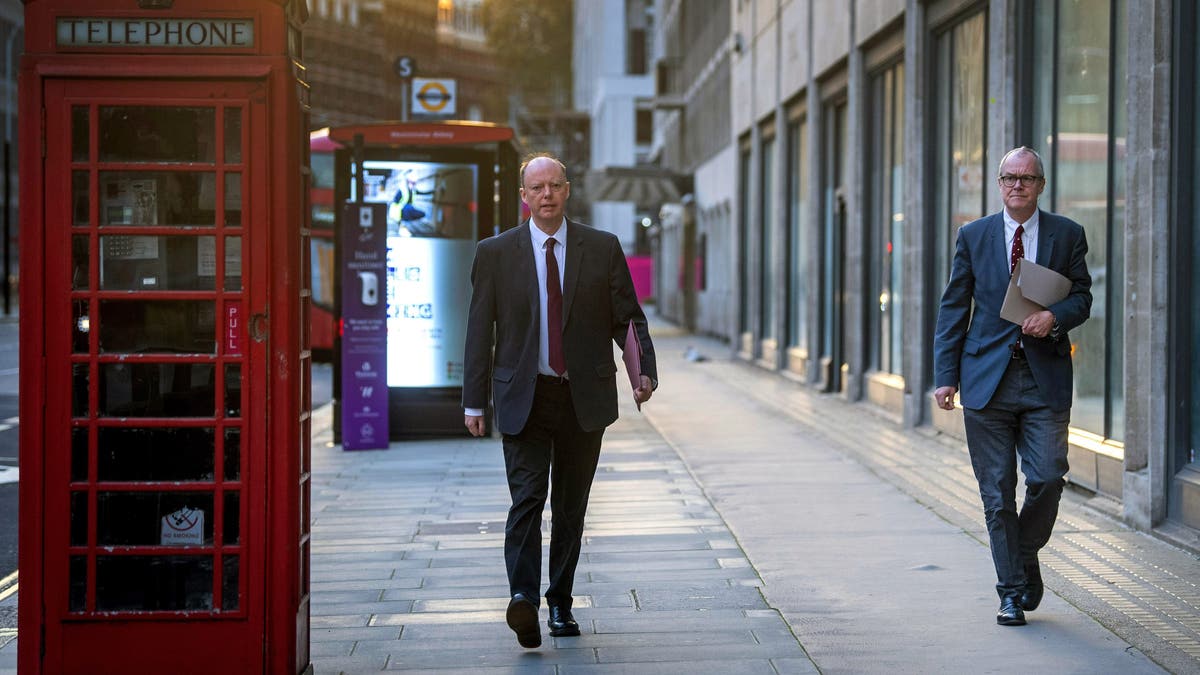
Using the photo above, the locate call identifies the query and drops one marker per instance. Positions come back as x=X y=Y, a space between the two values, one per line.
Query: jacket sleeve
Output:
x=1074 y=309
x=954 y=316
x=481 y=320
x=626 y=308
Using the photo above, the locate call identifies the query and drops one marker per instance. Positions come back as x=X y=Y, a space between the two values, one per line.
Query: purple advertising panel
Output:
x=364 y=331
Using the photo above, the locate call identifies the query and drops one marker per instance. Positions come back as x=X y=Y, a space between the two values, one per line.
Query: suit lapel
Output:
x=526 y=270
x=573 y=260
x=997 y=240
x=1045 y=239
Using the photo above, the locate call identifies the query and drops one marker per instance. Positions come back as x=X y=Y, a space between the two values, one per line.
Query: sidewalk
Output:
x=742 y=524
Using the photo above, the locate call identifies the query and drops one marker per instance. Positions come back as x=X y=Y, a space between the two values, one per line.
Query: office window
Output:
x=960 y=109
x=1079 y=127
x=797 y=258
x=960 y=183
x=644 y=127
x=766 y=218
x=1185 y=245
x=744 y=241
x=834 y=179
x=885 y=223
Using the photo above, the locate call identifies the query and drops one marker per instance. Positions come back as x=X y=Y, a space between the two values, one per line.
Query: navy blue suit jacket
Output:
x=503 y=325
x=971 y=348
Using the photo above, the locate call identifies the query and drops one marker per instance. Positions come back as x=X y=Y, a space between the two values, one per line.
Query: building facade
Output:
x=864 y=133
x=351 y=48
x=613 y=85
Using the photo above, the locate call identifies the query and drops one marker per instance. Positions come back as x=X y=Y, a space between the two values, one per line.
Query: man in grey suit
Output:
x=549 y=299
x=1015 y=381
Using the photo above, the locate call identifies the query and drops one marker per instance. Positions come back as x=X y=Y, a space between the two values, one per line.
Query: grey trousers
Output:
x=1017 y=419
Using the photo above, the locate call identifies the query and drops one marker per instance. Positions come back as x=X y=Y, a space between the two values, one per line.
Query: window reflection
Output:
x=79 y=518
x=158 y=326
x=156 y=390
x=80 y=133
x=167 y=263
x=233 y=135
x=230 y=595
x=233 y=454
x=80 y=199
x=155 y=454
x=146 y=583
x=1084 y=136
x=233 y=390
x=886 y=167
x=153 y=518
x=79 y=454
x=766 y=263
x=77 y=595
x=797 y=303
x=79 y=389
x=157 y=134
x=233 y=199
x=182 y=198
x=80 y=263
x=231 y=534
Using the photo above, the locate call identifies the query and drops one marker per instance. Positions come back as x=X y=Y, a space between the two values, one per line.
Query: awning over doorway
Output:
x=647 y=186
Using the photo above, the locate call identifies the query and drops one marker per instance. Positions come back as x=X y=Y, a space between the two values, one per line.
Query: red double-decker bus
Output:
x=321 y=222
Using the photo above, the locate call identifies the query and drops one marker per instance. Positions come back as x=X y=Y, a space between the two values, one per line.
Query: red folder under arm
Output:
x=632 y=356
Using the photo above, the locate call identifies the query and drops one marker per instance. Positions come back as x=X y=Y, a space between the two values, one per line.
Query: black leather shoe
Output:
x=561 y=623
x=1010 y=613
x=522 y=617
x=1031 y=596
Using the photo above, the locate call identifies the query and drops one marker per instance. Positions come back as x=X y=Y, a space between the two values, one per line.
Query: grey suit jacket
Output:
x=971 y=341
x=598 y=304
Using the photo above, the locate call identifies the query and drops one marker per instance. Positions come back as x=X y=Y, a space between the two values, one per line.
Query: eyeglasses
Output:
x=538 y=189
x=1027 y=180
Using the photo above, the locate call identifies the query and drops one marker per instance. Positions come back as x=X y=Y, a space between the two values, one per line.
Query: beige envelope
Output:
x=1032 y=288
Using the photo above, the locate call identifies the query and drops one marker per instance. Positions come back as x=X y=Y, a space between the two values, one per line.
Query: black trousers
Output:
x=1017 y=423
x=552 y=451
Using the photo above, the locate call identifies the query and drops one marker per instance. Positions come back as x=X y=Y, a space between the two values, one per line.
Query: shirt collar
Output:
x=539 y=237
x=1031 y=225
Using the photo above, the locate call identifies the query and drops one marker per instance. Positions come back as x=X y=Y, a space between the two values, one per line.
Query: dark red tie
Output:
x=1018 y=249
x=1018 y=252
x=558 y=362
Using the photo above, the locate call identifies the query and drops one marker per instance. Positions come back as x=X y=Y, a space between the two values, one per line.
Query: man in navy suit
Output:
x=1015 y=380
x=549 y=299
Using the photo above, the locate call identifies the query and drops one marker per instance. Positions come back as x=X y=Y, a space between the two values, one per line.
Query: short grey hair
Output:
x=1024 y=149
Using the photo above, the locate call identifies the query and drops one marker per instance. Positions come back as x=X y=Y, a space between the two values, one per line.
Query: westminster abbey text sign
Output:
x=169 y=33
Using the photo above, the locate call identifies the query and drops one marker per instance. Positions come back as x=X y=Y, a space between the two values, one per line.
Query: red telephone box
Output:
x=164 y=356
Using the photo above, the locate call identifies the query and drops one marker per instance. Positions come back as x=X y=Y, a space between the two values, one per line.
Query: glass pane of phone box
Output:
x=162 y=263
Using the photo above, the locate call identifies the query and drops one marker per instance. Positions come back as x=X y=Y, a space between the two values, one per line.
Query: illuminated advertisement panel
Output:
x=431 y=223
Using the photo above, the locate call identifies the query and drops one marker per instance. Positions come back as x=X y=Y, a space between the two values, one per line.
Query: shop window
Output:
x=744 y=243
x=644 y=123
x=797 y=253
x=959 y=131
x=885 y=218
x=1079 y=127
x=766 y=219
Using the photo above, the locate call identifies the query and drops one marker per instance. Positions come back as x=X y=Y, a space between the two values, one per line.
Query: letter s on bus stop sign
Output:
x=405 y=66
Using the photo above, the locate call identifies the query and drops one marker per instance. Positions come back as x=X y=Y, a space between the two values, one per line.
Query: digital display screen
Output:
x=432 y=215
